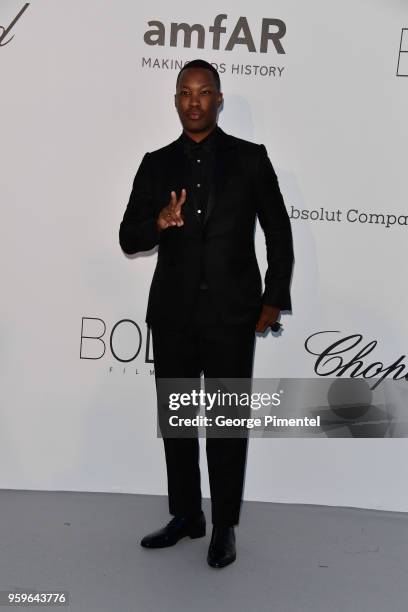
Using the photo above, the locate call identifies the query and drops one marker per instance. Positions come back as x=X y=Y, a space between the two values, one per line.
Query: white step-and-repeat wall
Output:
x=86 y=89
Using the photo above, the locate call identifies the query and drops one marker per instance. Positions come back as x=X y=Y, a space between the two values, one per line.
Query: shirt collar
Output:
x=207 y=144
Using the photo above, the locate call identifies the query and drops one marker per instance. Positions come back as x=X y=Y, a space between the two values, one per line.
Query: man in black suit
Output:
x=197 y=199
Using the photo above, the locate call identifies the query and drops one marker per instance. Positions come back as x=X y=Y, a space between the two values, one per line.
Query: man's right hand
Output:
x=171 y=214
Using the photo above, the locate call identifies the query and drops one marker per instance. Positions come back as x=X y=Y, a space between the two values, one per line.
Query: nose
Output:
x=195 y=100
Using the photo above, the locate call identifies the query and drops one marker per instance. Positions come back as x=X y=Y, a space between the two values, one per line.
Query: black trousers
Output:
x=219 y=351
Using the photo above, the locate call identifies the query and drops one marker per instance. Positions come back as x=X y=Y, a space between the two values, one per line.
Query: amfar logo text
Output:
x=5 y=31
x=272 y=30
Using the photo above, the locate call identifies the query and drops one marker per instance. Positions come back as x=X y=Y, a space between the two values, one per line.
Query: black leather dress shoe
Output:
x=177 y=528
x=222 y=547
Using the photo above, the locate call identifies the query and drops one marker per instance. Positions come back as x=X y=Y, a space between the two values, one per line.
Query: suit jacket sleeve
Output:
x=275 y=223
x=138 y=230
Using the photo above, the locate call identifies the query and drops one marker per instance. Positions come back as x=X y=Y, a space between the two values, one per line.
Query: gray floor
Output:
x=290 y=558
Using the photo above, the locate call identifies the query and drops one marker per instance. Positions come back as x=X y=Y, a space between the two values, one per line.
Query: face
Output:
x=197 y=100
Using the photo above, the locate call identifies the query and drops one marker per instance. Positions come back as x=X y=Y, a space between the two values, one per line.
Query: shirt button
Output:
x=199 y=210
x=198 y=160
x=198 y=185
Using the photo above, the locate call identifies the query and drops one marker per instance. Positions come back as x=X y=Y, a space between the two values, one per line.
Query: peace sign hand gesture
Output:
x=170 y=215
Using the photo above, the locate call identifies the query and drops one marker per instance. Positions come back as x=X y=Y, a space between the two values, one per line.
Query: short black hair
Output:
x=199 y=63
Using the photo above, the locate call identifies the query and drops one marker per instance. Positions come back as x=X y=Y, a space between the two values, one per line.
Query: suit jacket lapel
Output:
x=175 y=167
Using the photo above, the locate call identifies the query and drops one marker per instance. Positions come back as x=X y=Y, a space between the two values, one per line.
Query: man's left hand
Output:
x=267 y=318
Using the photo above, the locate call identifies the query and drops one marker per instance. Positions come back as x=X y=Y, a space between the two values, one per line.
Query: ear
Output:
x=220 y=99
x=175 y=100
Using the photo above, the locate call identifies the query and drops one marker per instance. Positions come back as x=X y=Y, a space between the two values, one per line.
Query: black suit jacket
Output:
x=245 y=186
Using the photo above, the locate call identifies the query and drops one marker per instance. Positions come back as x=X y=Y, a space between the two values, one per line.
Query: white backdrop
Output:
x=79 y=108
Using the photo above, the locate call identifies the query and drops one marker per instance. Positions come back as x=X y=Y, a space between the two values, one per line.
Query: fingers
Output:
x=261 y=327
x=173 y=217
x=175 y=207
x=264 y=323
x=182 y=199
x=173 y=199
x=268 y=317
x=171 y=214
x=177 y=203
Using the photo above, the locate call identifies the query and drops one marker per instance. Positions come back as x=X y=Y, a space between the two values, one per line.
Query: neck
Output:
x=199 y=136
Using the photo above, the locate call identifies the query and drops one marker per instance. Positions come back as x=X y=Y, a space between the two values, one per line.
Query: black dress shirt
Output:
x=199 y=166
x=199 y=160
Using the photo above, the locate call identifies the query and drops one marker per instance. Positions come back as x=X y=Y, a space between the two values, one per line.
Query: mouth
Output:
x=194 y=115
